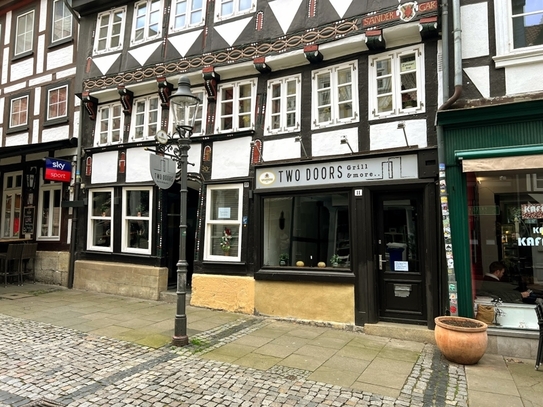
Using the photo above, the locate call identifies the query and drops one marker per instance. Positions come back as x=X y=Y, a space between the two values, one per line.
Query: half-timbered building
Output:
x=39 y=127
x=314 y=155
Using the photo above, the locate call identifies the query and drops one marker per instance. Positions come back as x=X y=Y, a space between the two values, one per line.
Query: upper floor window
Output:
x=62 y=21
x=109 y=124
x=236 y=103
x=19 y=112
x=24 y=35
x=396 y=83
x=57 y=102
x=335 y=95
x=283 y=105
x=187 y=13
x=110 y=30
x=146 y=117
x=230 y=8
x=527 y=19
x=147 y=20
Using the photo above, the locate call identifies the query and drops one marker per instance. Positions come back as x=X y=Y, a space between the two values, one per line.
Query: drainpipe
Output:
x=75 y=209
x=451 y=277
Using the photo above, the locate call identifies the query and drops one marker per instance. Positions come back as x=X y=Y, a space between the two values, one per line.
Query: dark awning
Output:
x=24 y=149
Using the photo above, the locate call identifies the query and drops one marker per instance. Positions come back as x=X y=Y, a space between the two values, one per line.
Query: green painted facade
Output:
x=508 y=129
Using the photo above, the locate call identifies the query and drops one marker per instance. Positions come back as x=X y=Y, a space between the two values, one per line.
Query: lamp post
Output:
x=185 y=108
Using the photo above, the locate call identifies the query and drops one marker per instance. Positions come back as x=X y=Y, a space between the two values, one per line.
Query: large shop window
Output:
x=100 y=228
x=137 y=207
x=49 y=211
x=312 y=229
x=506 y=224
x=11 y=202
x=223 y=222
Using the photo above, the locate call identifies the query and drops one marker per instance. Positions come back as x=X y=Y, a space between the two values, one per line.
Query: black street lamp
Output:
x=185 y=108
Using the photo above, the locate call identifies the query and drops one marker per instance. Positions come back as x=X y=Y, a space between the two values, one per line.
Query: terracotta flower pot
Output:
x=461 y=340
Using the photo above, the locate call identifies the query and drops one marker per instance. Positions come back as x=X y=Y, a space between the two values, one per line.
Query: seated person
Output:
x=494 y=286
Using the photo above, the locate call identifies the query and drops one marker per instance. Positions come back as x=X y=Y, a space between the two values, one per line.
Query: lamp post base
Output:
x=180 y=340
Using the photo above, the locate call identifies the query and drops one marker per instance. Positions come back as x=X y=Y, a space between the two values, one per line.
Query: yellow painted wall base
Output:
x=227 y=293
x=298 y=300
x=131 y=280
x=305 y=300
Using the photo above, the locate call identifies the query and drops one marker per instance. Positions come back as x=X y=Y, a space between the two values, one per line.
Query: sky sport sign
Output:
x=162 y=170
x=57 y=170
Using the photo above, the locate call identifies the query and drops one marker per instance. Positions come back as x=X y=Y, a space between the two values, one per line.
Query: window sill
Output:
x=56 y=121
x=62 y=42
x=287 y=273
x=20 y=129
x=518 y=58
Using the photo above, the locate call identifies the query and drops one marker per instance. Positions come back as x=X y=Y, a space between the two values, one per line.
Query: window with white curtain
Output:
x=396 y=83
x=335 y=95
x=223 y=222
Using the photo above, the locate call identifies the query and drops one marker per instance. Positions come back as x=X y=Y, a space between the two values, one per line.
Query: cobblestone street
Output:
x=45 y=365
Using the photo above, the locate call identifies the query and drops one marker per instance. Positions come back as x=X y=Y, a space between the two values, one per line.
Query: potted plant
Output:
x=334 y=260
x=225 y=241
x=461 y=340
x=283 y=259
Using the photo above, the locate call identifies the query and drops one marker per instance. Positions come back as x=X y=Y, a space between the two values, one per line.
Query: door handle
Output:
x=381 y=261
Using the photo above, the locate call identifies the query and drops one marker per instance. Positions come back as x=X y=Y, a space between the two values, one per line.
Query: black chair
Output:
x=10 y=262
x=539 y=312
x=28 y=254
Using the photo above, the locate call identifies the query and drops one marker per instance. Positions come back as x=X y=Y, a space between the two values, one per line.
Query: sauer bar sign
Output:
x=405 y=12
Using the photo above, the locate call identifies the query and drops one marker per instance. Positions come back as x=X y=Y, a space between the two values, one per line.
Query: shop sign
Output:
x=57 y=170
x=405 y=12
x=339 y=172
x=491 y=210
x=531 y=211
x=163 y=170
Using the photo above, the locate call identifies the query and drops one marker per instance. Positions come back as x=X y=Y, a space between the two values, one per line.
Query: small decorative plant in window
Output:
x=334 y=260
x=225 y=241
x=283 y=259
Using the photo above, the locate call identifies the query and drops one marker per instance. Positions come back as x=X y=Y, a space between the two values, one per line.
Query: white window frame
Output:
x=125 y=229
x=236 y=4
x=11 y=112
x=62 y=21
x=51 y=221
x=60 y=104
x=283 y=100
x=335 y=101
x=190 y=9
x=13 y=191
x=396 y=93
x=147 y=18
x=110 y=14
x=506 y=54
x=101 y=217
x=210 y=222
x=24 y=33
x=235 y=101
x=149 y=128
x=110 y=124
